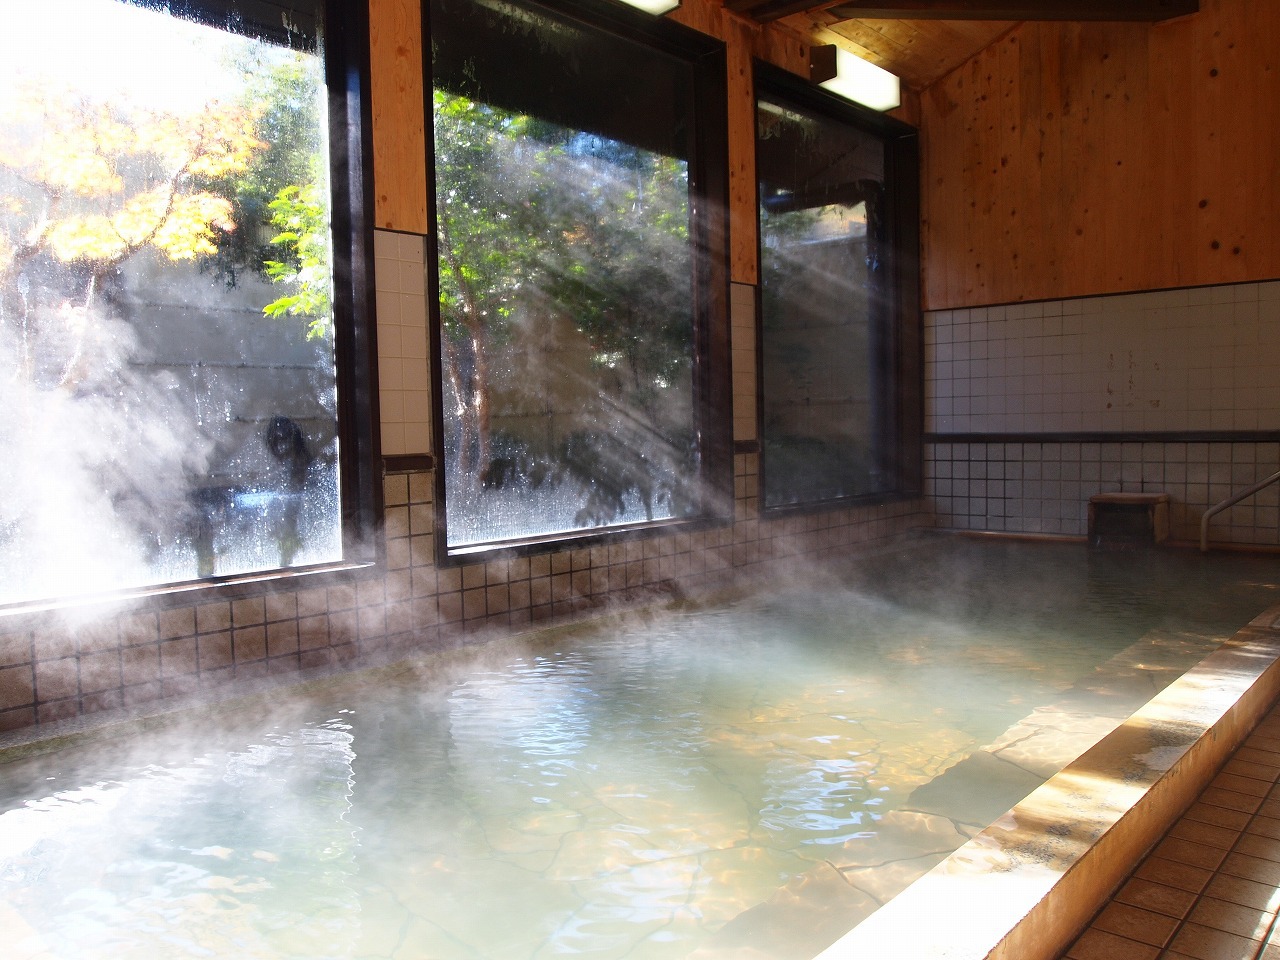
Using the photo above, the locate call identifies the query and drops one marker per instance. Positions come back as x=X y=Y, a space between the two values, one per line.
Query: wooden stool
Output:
x=1122 y=520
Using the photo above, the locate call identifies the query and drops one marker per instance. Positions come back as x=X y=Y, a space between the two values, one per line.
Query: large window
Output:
x=579 y=190
x=171 y=332
x=839 y=315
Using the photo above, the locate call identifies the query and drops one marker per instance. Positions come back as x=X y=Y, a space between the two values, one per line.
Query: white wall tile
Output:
x=1176 y=360
x=1150 y=348
x=400 y=301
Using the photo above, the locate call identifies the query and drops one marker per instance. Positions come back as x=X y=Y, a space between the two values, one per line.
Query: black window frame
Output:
x=344 y=36
x=708 y=167
x=344 y=46
x=899 y=356
x=347 y=80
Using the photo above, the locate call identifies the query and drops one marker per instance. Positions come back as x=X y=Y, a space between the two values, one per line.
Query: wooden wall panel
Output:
x=1262 y=165
x=1007 y=55
x=400 y=142
x=941 y=230
x=744 y=40
x=744 y=256
x=1078 y=231
x=399 y=133
x=1025 y=136
x=971 y=151
x=1169 y=180
x=1105 y=158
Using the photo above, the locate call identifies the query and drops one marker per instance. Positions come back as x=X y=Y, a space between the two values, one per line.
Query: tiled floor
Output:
x=1211 y=889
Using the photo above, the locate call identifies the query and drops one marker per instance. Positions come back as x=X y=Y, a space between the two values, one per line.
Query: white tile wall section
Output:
x=1194 y=359
x=1044 y=487
x=404 y=370
x=1200 y=361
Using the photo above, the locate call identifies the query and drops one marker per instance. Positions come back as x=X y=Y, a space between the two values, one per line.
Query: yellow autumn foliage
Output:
x=178 y=225
x=96 y=184
x=64 y=144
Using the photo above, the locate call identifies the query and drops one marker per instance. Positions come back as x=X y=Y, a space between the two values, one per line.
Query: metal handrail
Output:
x=1230 y=502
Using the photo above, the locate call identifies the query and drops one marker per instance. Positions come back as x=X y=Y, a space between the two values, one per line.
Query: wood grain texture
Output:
x=1103 y=158
x=740 y=38
x=744 y=41
x=918 y=51
x=400 y=140
x=399 y=117
x=1148 y=10
x=744 y=254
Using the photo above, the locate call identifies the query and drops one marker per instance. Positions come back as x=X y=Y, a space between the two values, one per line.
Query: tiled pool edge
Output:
x=1026 y=886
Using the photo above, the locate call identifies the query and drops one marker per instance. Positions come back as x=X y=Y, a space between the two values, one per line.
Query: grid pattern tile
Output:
x=742 y=320
x=60 y=665
x=1200 y=358
x=1194 y=362
x=404 y=373
x=1045 y=487
x=1210 y=890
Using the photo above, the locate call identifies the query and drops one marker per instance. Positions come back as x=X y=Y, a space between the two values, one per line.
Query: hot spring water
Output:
x=604 y=794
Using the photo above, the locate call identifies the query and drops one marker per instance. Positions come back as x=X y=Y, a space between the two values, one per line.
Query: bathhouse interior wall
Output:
x=1100 y=259
x=1100 y=255
x=62 y=662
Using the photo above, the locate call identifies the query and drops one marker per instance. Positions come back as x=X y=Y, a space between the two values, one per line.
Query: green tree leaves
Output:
x=568 y=251
x=301 y=214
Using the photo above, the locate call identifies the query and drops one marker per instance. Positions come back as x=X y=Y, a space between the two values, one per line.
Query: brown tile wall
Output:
x=63 y=664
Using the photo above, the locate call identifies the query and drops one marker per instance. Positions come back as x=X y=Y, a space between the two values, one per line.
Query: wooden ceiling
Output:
x=923 y=40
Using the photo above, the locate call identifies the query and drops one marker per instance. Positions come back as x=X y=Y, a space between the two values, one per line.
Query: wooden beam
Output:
x=745 y=7
x=766 y=11
x=1064 y=10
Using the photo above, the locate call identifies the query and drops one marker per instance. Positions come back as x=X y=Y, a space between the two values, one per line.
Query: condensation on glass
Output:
x=565 y=275
x=825 y=306
x=166 y=353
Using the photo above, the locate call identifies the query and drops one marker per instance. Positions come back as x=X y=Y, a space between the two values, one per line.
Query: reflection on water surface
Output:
x=628 y=794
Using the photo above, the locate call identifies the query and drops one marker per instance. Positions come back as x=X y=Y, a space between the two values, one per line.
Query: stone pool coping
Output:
x=1026 y=885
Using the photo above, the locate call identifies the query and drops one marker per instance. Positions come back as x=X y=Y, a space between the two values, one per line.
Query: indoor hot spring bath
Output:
x=751 y=777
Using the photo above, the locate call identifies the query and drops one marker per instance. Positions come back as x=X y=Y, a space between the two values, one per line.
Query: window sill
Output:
x=197 y=591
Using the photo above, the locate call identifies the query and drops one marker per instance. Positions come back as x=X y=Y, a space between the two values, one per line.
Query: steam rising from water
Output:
x=629 y=793
x=583 y=794
x=130 y=462
x=140 y=391
x=81 y=474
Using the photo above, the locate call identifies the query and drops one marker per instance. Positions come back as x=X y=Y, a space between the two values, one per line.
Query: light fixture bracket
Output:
x=861 y=81
x=822 y=62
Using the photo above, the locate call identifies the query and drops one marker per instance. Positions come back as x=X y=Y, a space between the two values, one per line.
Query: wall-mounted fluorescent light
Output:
x=862 y=82
x=656 y=7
